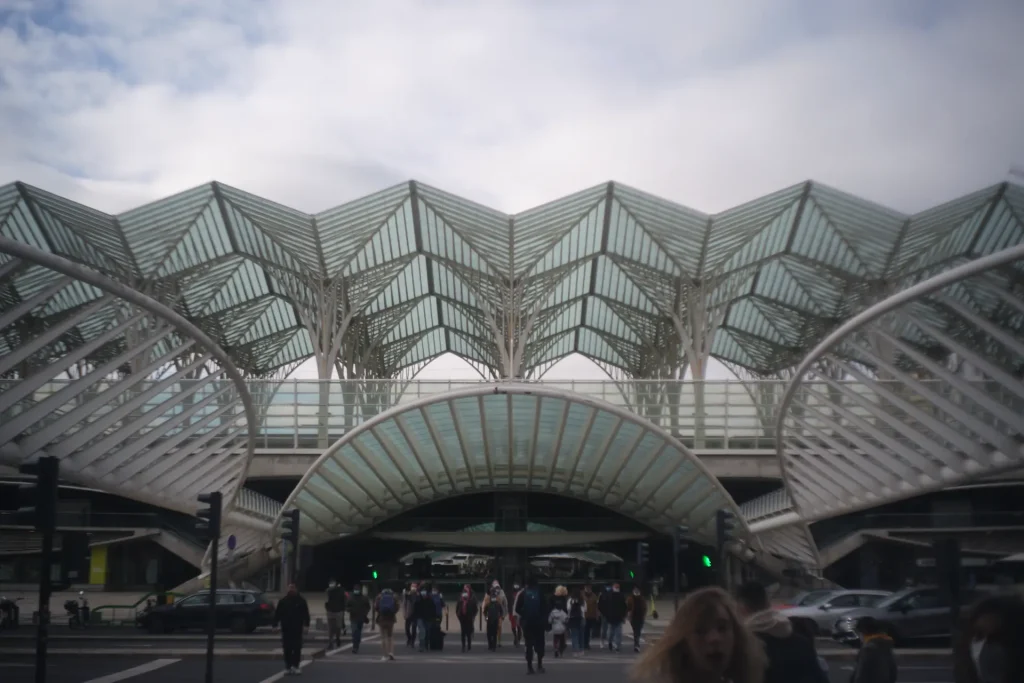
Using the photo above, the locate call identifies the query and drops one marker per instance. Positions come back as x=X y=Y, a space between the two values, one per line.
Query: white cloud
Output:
x=118 y=102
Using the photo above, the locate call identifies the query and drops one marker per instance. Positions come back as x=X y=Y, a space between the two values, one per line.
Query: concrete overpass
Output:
x=754 y=463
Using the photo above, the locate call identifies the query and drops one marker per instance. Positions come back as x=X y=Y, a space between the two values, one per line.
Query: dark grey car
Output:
x=910 y=614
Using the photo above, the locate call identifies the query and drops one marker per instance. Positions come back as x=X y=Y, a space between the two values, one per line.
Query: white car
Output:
x=819 y=610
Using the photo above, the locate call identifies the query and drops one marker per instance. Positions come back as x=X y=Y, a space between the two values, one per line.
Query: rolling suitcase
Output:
x=437 y=638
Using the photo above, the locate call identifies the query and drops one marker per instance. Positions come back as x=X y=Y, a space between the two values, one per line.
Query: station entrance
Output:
x=501 y=536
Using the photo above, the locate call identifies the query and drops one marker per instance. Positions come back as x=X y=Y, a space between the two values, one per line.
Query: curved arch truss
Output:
x=506 y=437
x=922 y=391
x=157 y=412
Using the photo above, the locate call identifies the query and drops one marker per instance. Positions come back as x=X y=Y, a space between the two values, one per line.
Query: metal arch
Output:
x=80 y=273
x=858 y=435
x=509 y=389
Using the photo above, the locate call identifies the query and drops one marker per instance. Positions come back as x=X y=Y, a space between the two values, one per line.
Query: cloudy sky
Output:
x=511 y=103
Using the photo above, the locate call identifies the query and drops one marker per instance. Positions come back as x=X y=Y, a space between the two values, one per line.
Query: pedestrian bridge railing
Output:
x=728 y=415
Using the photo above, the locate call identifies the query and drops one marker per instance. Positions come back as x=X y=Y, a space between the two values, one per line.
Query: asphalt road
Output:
x=162 y=664
x=505 y=665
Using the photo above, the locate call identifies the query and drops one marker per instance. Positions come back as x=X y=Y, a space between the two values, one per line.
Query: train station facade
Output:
x=878 y=354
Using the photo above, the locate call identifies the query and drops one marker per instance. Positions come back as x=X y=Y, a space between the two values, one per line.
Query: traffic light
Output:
x=38 y=501
x=209 y=524
x=374 y=574
x=725 y=527
x=707 y=561
x=290 y=527
x=643 y=554
x=290 y=533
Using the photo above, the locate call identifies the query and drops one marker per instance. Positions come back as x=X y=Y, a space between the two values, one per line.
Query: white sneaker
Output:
x=391 y=658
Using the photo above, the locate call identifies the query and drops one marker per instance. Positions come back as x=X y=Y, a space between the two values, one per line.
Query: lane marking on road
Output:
x=134 y=671
x=348 y=646
x=303 y=664
x=455 y=659
x=281 y=674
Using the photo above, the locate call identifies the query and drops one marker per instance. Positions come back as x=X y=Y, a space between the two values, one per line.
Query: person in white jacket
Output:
x=559 y=620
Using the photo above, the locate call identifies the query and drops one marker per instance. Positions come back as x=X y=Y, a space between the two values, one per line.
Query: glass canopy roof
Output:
x=609 y=272
x=513 y=436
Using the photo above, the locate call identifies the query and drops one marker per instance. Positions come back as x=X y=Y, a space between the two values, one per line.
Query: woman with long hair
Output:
x=991 y=647
x=706 y=642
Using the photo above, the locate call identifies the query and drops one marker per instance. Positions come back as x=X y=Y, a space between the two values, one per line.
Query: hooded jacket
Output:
x=876 y=662
x=791 y=657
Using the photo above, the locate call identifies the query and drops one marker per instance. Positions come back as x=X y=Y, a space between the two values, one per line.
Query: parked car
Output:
x=819 y=609
x=242 y=611
x=910 y=614
x=804 y=599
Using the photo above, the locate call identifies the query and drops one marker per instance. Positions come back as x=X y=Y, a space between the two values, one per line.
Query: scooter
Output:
x=9 y=613
x=74 y=614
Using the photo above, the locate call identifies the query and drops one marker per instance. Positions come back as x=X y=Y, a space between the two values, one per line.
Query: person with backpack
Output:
x=577 y=622
x=386 y=608
x=409 y=598
x=492 y=615
x=636 y=608
x=359 y=613
x=465 y=612
x=591 y=616
x=335 y=607
x=615 y=614
x=602 y=600
x=513 y=618
x=435 y=639
x=424 y=612
x=533 y=617
x=558 y=619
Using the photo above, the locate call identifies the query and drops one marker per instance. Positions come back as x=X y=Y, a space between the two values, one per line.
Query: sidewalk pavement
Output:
x=29 y=604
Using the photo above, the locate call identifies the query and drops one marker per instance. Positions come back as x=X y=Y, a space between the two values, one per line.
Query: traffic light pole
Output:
x=211 y=627
x=210 y=523
x=675 y=569
x=45 y=591
x=42 y=509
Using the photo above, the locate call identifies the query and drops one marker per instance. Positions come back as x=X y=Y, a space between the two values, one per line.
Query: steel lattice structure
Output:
x=952 y=353
x=508 y=436
x=158 y=412
x=380 y=286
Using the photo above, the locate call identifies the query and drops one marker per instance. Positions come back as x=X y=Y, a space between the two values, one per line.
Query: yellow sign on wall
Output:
x=98 y=566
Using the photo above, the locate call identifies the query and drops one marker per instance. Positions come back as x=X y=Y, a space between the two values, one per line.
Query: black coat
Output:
x=292 y=613
x=424 y=609
x=335 y=599
x=792 y=660
x=614 y=608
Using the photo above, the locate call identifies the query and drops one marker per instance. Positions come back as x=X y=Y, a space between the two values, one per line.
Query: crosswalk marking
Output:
x=479 y=659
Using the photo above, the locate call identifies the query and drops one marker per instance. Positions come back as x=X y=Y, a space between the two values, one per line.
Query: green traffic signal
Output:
x=631 y=574
x=707 y=561
x=374 y=573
